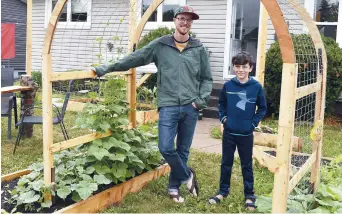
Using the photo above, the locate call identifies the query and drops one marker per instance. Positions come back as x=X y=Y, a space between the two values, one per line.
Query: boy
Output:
x=237 y=104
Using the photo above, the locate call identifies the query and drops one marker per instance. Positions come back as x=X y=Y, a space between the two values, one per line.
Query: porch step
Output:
x=211 y=112
x=213 y=101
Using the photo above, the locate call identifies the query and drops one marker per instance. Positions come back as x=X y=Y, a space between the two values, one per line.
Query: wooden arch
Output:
x=289 y=94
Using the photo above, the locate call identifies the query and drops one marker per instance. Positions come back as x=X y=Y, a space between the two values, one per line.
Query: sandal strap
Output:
x=216 y=199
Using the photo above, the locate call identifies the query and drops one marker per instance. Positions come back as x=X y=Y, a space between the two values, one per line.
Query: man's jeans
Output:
x=245 y=149
x=180 y=121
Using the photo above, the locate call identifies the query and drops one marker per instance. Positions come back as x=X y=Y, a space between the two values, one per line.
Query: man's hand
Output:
x=194 y=105
x=94 y=72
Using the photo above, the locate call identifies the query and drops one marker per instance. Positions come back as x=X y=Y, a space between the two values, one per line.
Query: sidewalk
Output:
x=202 y=140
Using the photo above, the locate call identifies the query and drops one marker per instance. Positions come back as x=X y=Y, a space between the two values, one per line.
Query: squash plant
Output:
x=79 y=172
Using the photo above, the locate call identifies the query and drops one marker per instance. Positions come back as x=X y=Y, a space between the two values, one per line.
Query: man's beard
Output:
x=183 y=33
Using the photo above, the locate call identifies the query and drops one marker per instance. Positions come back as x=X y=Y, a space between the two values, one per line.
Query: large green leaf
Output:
x=90 y=170
x=101 y=179
x=29 y=197
x=104 y=126
x=119 y=170
x=102 y=169
x=117 y=157
x=63 y=192
x=85 y=189
x=264 y=204
x=36 y=185
x=97 y=152
x=137 y=139
x=112 y=142
x=123 y=121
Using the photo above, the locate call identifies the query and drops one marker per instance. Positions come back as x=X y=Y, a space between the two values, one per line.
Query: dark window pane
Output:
x=169 y=12
x=63 y=16
x=79 y=10
x=145 y=5
x=328 y=30
x=327 y=10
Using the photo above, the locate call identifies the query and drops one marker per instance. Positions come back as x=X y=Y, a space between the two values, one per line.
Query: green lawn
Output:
x=154 y=198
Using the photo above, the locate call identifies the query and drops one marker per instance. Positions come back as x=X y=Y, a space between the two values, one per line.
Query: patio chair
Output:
x=8 y=100
x=31 y=120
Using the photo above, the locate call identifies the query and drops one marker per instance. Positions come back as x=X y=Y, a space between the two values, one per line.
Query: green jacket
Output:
x=183 y=77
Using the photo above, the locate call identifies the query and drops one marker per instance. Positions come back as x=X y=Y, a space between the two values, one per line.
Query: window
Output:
x=75 y=14
x=164 y=14
x=327 y=18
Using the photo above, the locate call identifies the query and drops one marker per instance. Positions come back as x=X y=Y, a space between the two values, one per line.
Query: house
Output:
x=96 y=31
x=14 y=11
x=86 y=26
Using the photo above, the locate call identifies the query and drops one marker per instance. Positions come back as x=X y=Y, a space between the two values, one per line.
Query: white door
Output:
x=237 y=28
x=234 y=34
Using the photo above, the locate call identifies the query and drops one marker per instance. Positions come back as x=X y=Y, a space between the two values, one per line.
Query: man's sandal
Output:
x=177 y=198
x=250 y=204
x=216 y=199
x=194 y=189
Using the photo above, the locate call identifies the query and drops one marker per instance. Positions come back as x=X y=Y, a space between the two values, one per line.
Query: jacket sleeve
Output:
x=206 y=81
x=262 y=107
x=223 y=104
x=138 y=58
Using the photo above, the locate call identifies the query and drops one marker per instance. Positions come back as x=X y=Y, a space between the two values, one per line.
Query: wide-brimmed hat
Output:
x=187 y=10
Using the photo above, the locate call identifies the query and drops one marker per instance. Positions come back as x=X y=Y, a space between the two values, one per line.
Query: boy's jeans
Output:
x=180 y=120
x=245 y=149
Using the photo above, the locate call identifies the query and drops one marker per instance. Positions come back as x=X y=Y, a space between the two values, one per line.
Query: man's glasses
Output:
x=182 y=19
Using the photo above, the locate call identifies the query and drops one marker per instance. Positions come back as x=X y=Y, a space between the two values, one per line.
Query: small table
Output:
x=16 y=88
x=26 y=102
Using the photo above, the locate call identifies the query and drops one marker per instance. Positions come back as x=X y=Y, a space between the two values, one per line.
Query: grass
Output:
x=332 y=137
x=154 y=198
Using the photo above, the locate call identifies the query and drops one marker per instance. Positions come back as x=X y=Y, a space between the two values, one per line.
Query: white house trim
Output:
x=227 y=40
x=159 y=22
x=339 y=26
x=68 y=24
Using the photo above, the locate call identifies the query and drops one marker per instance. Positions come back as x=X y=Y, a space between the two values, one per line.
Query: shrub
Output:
x=37 y=78
x=273 y=72
x=151 y=82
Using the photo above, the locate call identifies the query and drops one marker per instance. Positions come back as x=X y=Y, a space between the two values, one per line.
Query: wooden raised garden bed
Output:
x=108 y=197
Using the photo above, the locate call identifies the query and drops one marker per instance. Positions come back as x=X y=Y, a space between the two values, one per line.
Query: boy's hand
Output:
x=222 y=127
x=194 y=105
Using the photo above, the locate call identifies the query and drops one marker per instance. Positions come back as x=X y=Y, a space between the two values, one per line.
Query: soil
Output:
x=299 y=160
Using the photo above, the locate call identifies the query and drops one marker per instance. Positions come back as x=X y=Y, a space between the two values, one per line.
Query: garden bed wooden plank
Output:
x=115 y=194
x=15 y=175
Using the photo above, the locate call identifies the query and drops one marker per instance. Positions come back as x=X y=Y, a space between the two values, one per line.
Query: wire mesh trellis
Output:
x=307 y=61
x=88 y=33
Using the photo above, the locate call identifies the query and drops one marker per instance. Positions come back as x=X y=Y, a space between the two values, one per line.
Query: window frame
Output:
x=311 y=8
x=159 y=22
x=68 y=24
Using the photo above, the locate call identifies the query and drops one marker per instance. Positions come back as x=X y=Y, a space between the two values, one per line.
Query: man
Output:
x=184 y=83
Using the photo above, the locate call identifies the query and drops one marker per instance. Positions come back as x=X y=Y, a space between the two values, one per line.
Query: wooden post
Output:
x=26 y=101
x=262 y=38
x=285 y=131
x=47 y=119
x=29 y=38
x=131 y=92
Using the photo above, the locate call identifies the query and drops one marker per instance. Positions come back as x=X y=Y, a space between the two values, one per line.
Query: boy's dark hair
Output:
x=242 y=59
